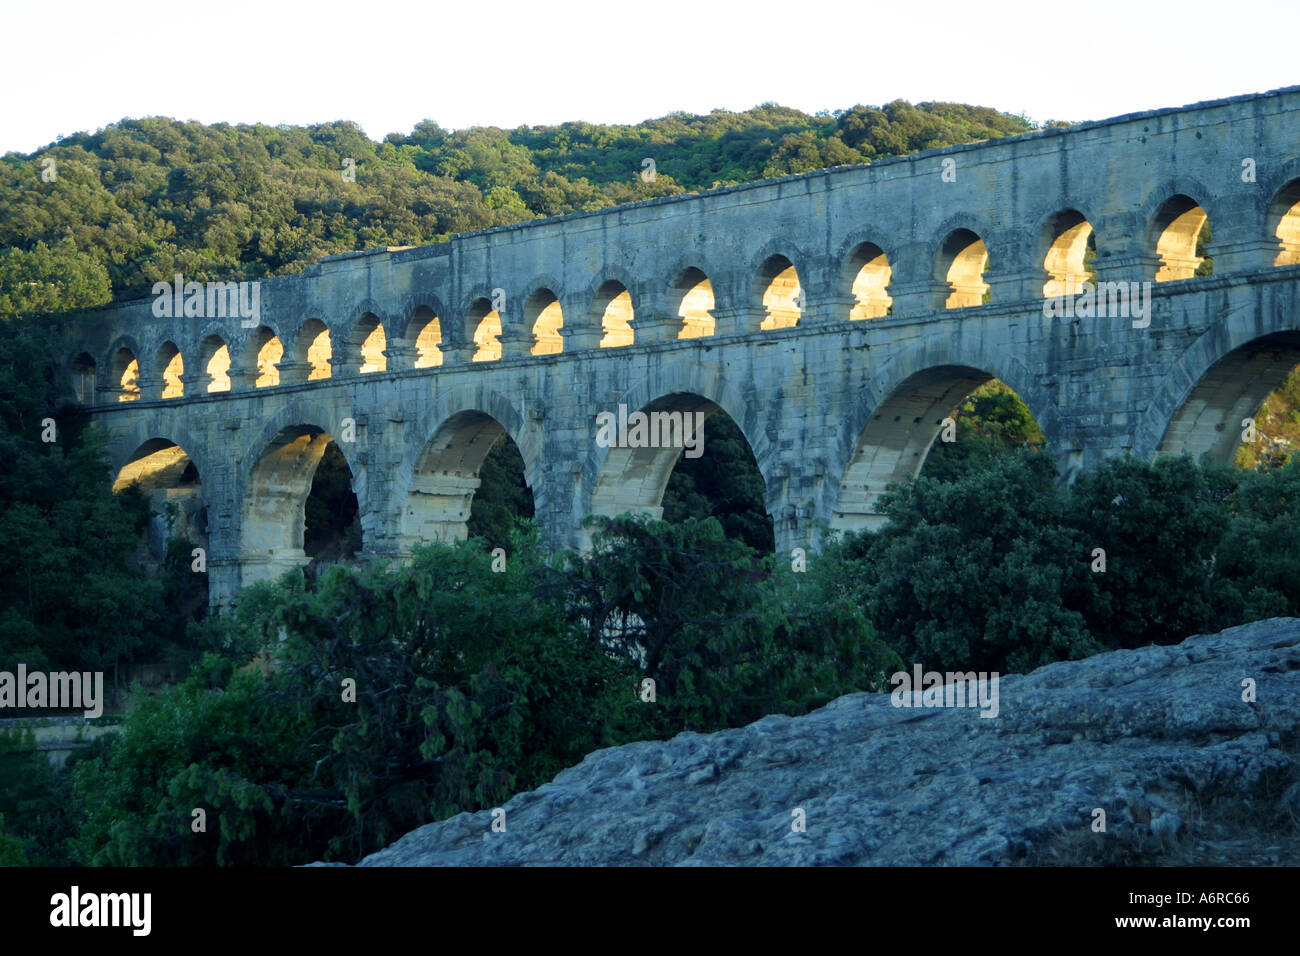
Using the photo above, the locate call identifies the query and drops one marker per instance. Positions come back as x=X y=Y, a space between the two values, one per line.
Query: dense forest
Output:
x=472 y=682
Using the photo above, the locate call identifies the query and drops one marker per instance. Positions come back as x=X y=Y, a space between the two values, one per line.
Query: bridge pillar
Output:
x=915 y=298
x=577 y=339
x=1016 y=286
x=399 y=358
x=292 y=372
x=832 y=307
x=151 y=388
x=1135 y=267
x=515 y=342
x=1246 y=255
x=242 y=379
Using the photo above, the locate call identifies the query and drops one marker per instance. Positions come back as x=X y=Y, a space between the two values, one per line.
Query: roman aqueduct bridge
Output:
x=836 y=316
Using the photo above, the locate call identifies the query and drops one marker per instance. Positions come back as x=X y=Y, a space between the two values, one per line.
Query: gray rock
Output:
x=1136 y=733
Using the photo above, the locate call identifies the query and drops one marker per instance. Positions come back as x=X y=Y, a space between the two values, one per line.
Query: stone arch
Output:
x=313 y=352
x=897 y=419
x=780 y=290
x=441 y=471
x=483 y=325
x=169 y=368
x=867 y=274
x=618 y=480
x=1222 y=378
x=961 y=261
x=613 y=312
x=262 y=355
x=124 y=373
x=694 y=301
x=1173 y=234
x=1284 y=223
x=1063 y=242
x=543 y=319
x=424 y=334
x=366 y=344
x=214 y=364
x=276 y=487
x=81 y=368
x=170 y=480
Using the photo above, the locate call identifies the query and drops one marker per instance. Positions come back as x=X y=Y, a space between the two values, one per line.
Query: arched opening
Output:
x=486 y=323
x=723 y=483
x=126 y=373
x=871 y=272
x=781 y=292
x=712 y=470
x=963 y=260
x=1213 y=418
x=83 y=378
x=1284 y=217
x=164 y=475
x=694 y=294
x=312 y=348
x=267 y=351
x=455 y=463
x=542 y=314
x=1182 y=230
x=897 y=440
x=170 y=367
x=277 y=513
x=614 y=306
x=369 y=342
x=1070 y=253
x=214 y=359
x=426 y=329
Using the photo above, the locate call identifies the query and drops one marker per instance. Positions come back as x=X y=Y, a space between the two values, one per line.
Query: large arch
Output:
x=274 y=512
x=424 y=334
x=619 y=480
x=263 y=354
x=169 y=367
x=214 y=364
x=868 y=274
x=1210 y=416
x=483 y=324
x=444 y=470
x=613 y=312
x=544 y=318
x=896 y=421
x=171 y=483
x=312 y=351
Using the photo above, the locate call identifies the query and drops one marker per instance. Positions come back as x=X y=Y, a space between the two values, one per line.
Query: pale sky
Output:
x=73 y=65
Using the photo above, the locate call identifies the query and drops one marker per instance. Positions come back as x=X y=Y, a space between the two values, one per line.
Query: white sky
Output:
x=73 y=65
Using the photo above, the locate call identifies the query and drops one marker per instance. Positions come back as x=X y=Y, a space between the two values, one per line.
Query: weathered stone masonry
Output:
x=837 y=316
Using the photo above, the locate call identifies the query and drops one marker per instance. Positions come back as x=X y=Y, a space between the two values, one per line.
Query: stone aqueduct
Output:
x=836 y=316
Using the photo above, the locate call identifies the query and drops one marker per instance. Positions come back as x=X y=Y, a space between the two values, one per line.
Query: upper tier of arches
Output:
x=965 y=264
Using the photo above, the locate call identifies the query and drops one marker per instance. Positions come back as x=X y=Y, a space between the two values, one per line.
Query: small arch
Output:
x=170 y=367
x=82 y=369
x=369 y=342
x=1181 y=229
x=693 y=293
x=425 y=330
x=963 y=260
x=613 y=304
x=485 y=322
x=126 y=373
x=542 y=314
x=1070 y=251
x=871 y=272
x=782 y=295
x=1284 y=217
x=214 y=360
x=265 y=351
x=312 y=348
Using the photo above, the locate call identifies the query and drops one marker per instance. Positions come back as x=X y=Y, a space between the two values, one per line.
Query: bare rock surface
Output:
x=1149 y=736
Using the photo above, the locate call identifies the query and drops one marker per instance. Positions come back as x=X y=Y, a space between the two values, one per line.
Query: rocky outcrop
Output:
x=1152 y=737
